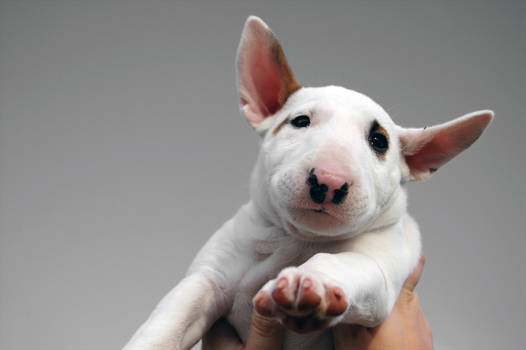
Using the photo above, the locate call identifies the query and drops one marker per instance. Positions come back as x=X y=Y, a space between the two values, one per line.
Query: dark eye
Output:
x=301 y=121
x=379 y=142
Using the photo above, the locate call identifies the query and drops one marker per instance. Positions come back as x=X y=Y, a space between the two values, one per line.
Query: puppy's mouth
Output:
x=303 y=211
x=315 y=223
x=324 y=211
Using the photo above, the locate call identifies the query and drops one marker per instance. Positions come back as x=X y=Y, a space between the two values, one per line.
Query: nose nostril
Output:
x=312 y=179
x=317 y=193
x=340 y=194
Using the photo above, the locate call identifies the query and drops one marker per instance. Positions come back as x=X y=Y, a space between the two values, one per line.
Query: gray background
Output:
x=122 y=150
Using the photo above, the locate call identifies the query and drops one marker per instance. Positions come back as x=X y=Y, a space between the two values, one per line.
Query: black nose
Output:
x=318 y=191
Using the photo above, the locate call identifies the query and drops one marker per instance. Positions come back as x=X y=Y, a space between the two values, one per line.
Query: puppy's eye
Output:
x=301 y=121
x=378 y=138
x=378 y=142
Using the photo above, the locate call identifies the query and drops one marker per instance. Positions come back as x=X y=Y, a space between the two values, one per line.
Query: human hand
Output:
x=405 y=328
x=265 y=334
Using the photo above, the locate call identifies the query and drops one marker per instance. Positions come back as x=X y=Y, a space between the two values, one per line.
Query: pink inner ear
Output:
x=434 y=153
x=265 y=80
x=428 y=149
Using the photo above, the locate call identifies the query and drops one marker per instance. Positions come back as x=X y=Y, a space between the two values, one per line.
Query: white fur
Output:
x=367 y=246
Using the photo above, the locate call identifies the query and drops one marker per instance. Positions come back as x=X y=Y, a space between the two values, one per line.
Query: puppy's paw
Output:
x=304 y=302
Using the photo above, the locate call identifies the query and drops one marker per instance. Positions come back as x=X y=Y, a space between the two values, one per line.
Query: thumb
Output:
x=265 y=333
x=412 y=280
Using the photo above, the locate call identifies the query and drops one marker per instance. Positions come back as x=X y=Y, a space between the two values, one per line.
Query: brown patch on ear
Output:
x=288 y=84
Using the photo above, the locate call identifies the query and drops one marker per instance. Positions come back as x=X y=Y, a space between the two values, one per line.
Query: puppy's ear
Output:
x=265 y=81
x=425 y=150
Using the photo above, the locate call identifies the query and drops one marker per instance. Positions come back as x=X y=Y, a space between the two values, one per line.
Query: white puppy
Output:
x=326 y=237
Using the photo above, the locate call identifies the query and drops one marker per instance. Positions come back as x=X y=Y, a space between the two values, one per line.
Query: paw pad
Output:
x=303 y=303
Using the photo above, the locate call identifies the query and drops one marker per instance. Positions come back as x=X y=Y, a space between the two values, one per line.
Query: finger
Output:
x=265 y=333
x=222 y=336
x=411 y=281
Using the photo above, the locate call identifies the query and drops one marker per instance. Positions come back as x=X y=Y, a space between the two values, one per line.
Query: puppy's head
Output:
x=332 y=162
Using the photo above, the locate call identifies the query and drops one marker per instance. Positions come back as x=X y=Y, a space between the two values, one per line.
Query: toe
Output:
x=336 y=301
x=263 y=303
x=282 y=295
x=309 y=299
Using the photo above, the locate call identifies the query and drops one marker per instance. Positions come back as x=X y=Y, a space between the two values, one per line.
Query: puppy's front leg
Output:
x=206 y=293
x=181 y=318
x=346 y=287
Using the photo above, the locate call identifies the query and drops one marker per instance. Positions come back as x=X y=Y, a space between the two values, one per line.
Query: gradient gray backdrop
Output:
x=122 y=150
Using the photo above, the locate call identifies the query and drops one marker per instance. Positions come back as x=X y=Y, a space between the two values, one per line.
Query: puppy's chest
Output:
x=270 y=257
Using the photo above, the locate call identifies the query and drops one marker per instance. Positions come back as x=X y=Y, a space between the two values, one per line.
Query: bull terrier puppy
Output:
x=326 y=237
